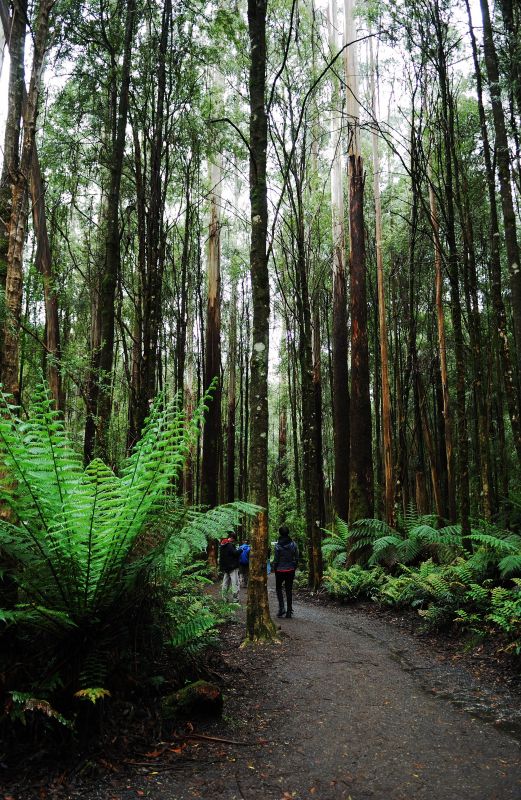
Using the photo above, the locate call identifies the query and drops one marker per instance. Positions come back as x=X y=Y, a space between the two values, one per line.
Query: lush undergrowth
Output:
x=471 y=584
x=102 y=576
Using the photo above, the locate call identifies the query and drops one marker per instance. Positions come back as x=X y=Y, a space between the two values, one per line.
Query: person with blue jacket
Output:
x=285 y=563
x=244 y=563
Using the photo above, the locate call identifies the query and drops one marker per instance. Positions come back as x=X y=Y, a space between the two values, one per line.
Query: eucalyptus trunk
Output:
x=212 y=433
x=14 y=31
x=453 y=269
x=232 y=396
x=155 y=241
x=382 y=323
x=99 y=387
x=361 y=502
x=442 y=346
x=340 y=346
x=20 y=208
x=258 y=621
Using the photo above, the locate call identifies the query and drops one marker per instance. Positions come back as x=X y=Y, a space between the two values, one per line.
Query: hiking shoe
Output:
x=289 y=614
x=281 y=612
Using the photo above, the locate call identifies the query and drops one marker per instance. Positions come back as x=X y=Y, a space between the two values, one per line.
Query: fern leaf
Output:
x=510 y=565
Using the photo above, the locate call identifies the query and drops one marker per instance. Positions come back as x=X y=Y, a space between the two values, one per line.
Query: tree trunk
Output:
x=382 y=323
x=292 y=393
x=19 y=210
x=212 y=432
x=282 y=481
x=14 y=32
x=431 y=449
x=152 y=285
x=311 y=458
x=361 y=479
x=232 y=398
x=503 y=165
x=511 y=14
x=44 y=265
x=100 y=390
x=361 y=503
x=453 y=272
x=498 y=305
x=440 y=319
x=183 y=310
x=320 y=521
x=340 y=345
x=258 y=621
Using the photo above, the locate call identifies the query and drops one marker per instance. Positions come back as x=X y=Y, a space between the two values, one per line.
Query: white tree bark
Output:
x=351 y=78
x=337 y=193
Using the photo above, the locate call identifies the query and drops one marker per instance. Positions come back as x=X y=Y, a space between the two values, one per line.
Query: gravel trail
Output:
x=347 y=707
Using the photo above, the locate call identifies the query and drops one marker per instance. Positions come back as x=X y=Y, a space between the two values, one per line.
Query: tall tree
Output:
x=442 y=344
x=99 y=383
x=258 y=621
x=504 y=174
x=212 y=367
x=498 y=303
x=441 y=28
x=13 y=27
x=339 y=333
x=361 y=462
x=382 y=321
x=20 y=204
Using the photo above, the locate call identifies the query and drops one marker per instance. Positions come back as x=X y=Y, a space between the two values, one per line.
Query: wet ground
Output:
x=346 y=706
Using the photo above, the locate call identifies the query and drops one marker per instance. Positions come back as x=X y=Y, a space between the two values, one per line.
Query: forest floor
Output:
x=348 y=705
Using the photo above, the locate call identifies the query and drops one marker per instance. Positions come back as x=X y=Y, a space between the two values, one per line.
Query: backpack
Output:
x=244 y=558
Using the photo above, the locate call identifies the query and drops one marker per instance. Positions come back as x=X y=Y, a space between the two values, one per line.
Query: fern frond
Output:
x=498 y=545
x=385 y=548
x=510 y=565
x=371 y=528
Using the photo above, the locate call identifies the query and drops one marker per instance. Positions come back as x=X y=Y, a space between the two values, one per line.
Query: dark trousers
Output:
x=285 y=579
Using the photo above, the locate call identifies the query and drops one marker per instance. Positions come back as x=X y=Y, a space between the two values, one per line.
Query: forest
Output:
x=259 y=266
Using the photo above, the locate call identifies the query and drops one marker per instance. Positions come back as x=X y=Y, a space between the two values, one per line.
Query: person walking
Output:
x=285 y=563
x=229 y=566
x=244 y=563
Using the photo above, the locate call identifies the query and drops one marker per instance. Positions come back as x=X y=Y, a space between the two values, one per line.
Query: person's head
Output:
x=232 y=535
x=284 y=532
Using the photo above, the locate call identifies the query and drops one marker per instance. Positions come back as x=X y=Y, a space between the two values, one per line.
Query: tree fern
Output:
x=336 y=543
x=88 y=548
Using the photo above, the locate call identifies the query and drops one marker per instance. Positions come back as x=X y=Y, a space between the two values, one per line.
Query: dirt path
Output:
x=345 y=707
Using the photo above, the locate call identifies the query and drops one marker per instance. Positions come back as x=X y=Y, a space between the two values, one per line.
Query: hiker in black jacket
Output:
x=285 y=563
x=229 y=566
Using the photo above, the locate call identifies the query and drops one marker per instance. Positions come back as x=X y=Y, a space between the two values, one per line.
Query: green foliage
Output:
x=74 y=541
x=282 y=511
x=20 y=703
x=427 y=568
x=411 y=519
x=343 y=540
x=364 y=533
x=505 y=614
x=336 y=544
x=100 y=562
x=353 y=584
x=416 y=538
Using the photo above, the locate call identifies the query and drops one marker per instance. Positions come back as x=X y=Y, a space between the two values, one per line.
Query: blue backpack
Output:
x=244 y=558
